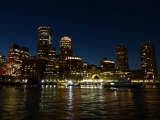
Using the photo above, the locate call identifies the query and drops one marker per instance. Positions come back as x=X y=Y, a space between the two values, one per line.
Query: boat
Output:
x=122 y=83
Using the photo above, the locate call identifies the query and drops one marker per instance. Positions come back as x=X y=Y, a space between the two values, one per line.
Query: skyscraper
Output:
x=44 y=47
x=148 y=60
x=122 y=58
x=65 y=50
x=44 y=42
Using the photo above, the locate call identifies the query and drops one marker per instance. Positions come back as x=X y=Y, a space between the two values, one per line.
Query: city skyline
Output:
x=95 y=34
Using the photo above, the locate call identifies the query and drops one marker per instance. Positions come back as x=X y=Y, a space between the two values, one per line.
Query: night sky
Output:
x=96 y=27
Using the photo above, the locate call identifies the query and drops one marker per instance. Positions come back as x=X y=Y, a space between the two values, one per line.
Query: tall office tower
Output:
x=44 y=42
x=16 y=54
x=65 y=50
x=106 y=65
x=44 y=47
x=121 y=58
x=148 y=60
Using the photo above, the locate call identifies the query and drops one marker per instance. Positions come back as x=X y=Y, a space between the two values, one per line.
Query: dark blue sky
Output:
x=96 y=27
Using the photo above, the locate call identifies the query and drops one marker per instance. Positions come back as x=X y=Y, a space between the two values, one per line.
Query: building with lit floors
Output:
x=73 y=70
x=65 y=50
x=106 y=65
x=92 y=75
x=85 y=66
x=44 y=42
x=148 y=61
x=32 y=68
x=44 y=47
x=3 y=60
x=51 y=60
x=122 y=58
x=47 y=53
x=16 y=54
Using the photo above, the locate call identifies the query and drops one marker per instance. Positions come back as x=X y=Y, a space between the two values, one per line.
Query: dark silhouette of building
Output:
x=122 y=58
x=148 y=60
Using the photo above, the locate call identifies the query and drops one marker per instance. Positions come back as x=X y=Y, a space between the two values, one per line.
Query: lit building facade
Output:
x=16 y=54
x=73 y=68
x=85 y=66
x=122 y=58
x=106 y=65
x=148 y=61
x=51 y=61
x=44 y=42
x=46 y=52
x=3 y=60
x=32 y=68
x=92 y=75
x=65 y=50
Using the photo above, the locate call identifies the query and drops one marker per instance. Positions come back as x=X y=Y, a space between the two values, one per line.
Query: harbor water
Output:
x=75 y=103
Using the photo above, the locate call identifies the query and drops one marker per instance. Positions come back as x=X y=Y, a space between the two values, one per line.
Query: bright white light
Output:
x=112 y=83
x=70 y=82
x=42 y=81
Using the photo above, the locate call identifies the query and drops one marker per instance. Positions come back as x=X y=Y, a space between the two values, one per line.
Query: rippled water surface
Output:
x=74 y=103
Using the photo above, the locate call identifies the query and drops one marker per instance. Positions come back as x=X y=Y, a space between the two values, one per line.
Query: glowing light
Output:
x=66 y=38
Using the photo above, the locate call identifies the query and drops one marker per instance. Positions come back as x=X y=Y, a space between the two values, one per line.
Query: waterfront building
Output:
x=50 y=76
x=148 y=61
x=138 y=76
x=32 y=68
x=65 y=50
x=73 y=68
x=106 y=65
x=16 y=54
x=92 y=75
x=122 y=58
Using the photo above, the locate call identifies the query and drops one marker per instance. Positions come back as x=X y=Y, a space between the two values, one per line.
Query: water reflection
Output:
x=51 y=102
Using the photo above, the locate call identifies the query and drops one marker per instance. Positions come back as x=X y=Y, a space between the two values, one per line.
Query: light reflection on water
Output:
x=50 y=102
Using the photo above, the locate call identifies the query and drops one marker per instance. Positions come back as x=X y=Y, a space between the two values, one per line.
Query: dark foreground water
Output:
x=51 y=103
